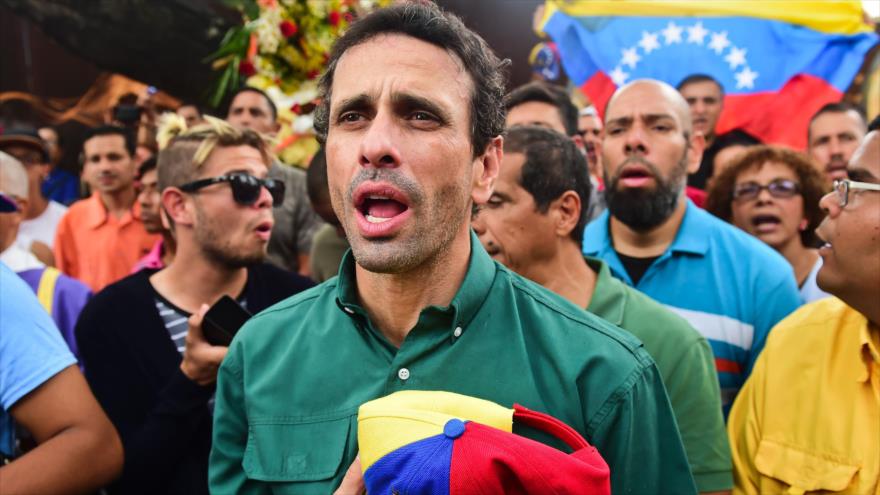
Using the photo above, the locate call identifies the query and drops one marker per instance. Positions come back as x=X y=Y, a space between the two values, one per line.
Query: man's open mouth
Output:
x=635 y=175
x=382 y=208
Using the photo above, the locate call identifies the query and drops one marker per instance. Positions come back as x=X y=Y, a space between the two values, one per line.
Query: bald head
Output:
x=650 y=90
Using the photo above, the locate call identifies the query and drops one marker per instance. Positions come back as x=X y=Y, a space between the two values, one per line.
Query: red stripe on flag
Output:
x=599 y=89
x=781 y=117
x=727 y=366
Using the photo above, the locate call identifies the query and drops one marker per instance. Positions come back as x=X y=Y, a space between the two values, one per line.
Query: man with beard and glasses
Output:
x=834 y=133
x=141 y=340
x=100 y=238
x=731 y=287
x=412 y=123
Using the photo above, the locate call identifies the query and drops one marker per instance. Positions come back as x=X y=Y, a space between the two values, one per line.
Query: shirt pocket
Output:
x=287 y=450
x=803 y=471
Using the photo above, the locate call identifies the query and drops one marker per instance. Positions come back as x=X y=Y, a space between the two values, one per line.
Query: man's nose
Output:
x=830 y=204
x=377 y=149
x=265 y=200
x=635 y=141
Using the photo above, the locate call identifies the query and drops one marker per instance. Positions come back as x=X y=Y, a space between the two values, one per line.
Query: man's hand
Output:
x=353 y=481
x=201 y=359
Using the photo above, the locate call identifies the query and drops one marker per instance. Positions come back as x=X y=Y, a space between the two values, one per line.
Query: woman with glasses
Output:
x=773 y=193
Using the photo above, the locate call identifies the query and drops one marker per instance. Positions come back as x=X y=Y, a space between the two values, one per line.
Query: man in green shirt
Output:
x=412 y=119
x=534 y=222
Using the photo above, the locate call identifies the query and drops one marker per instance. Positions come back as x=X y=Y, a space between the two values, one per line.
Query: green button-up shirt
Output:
x=289 y=389
x=687 y=367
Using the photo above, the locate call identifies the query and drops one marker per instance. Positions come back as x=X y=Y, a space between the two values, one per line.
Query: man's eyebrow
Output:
x=409 y=101
x=653 y=117
x=861 y=175
x=359 y=102
x=619 y=121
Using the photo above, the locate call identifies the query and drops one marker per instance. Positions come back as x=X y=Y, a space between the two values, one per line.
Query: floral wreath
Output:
x=282 y=48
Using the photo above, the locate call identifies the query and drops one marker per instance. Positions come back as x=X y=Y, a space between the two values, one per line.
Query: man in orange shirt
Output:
x=102 y=237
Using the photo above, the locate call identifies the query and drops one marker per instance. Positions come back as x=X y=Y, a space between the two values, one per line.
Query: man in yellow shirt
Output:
x=808 y=418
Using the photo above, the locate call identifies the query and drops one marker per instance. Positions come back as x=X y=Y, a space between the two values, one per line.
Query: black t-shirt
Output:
x=636 y=267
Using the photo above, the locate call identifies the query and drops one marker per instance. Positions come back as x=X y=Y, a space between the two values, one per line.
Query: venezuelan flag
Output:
x=779 y=61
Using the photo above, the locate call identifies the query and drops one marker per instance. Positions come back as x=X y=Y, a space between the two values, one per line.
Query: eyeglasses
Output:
x=779 y=188
x=245 y=187
x=843 y=186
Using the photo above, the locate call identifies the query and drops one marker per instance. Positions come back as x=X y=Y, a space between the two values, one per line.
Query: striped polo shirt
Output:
x=730 y=286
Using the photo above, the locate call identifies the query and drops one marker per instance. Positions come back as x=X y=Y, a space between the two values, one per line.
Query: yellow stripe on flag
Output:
x=827 y=16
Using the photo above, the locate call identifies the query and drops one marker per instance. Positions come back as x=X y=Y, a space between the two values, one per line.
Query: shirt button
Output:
x=348 y=310
x=403 y=373
x=457 y=332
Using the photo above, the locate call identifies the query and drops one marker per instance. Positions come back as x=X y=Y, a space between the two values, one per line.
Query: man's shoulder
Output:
x=287 y=315
x=124 y=298
x=812 y=326
x=644 y=316
x=287 y=173
x=734 y=241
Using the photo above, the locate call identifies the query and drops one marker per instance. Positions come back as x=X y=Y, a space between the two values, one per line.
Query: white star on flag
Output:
x=649 y=42
x=736 y=57
x=746 y=78
x=619 y=76
x=696 y=33
x=719 y=42
x=630 y=57
x=672 y=33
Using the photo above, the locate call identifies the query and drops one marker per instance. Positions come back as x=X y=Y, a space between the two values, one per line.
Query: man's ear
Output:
x=696 y=146
x=486 y=169
x=176 y=206
x=567 y=212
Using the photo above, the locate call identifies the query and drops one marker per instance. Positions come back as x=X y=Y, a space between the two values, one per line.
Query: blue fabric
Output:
x=730 y=286
x=775 y=50
x=31 y=348
x=61 y=186
x=420 y=468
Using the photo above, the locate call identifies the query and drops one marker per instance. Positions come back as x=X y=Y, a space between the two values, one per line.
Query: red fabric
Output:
x=486 y=460
x=698 y=196
x=727 y=366
x=599 y=89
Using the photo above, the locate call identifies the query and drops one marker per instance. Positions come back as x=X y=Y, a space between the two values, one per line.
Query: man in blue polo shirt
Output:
x=732 y=289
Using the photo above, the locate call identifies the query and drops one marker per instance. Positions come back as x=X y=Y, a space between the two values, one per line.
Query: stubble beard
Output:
x=643 y=210
x=215 y=245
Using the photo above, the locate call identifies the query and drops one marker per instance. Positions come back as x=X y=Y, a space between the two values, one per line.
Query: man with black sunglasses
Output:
x=808 y=419
x=141 y=339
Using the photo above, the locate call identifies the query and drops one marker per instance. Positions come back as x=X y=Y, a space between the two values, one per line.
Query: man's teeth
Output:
x=372 y=219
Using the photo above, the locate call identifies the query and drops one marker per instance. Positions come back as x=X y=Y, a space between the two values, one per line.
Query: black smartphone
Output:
x=223 y=321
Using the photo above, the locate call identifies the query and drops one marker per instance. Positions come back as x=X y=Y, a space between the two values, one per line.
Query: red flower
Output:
x=295 y=108
x=246 y=68
x=349 y=18
x=288 y=28
x=333 y=18
x=313 y=74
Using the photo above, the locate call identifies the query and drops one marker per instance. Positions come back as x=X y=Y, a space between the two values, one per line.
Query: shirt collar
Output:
x=96 y=213
x=690 y=238
x=609 y=296
x=868 y=351
x=471 y=294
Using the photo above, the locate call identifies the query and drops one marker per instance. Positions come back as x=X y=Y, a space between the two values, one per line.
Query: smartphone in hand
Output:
x=223 y=321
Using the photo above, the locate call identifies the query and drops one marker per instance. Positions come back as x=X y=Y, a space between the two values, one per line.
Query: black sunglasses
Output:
x=779 y=188
x=245 y=187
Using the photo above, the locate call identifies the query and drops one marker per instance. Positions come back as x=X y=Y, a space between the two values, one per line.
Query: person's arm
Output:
x=78 y=449
x=636 y=433
x=305 y=267
x=156 y=435
x=744 y=431
x=225 y=471
x=62 y=248
x=693 y=391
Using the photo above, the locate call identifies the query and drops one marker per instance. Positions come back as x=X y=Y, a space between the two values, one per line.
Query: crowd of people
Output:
x=703 y=309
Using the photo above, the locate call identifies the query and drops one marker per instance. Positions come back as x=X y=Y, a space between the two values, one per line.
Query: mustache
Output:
x=407 y=185
x=631 y=161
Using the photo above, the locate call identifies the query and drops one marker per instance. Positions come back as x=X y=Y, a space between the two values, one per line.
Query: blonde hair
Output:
x=13 y=177
x=182 y=151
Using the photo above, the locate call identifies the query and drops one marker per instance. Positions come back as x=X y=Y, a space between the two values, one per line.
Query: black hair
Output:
x=199 y=109
x=112 y=130
x=553 y=165
x=427 y=22
x=546 y=93
x=316 y=178
x=738 y=138
x=146 y=166
x=245 y=89
x=836 y=107
x=875 y=124
x=696 y=78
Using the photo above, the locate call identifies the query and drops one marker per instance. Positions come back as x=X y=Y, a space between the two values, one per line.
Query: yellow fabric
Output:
x=46 y=289
x=842 y=17
x=399 y=419
x=808 y=418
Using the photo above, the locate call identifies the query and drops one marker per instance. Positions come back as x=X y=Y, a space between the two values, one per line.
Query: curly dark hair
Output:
x=812 y=184
x=427 y=22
